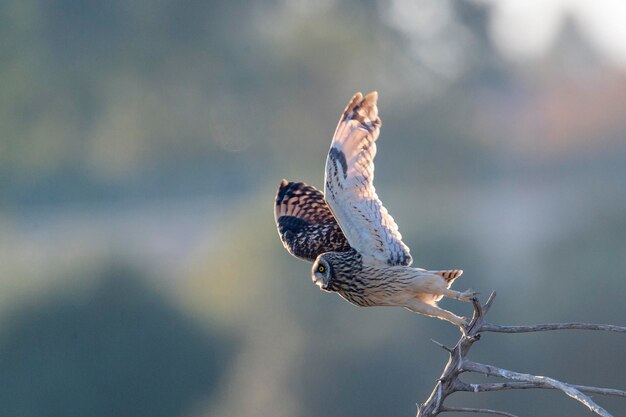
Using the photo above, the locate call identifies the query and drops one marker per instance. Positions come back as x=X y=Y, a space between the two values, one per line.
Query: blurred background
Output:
x=141 y=144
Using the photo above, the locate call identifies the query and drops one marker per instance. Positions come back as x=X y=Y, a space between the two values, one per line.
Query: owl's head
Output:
x=322 y=272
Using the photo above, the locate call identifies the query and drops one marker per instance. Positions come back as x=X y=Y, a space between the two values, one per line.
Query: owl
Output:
x=347 y=233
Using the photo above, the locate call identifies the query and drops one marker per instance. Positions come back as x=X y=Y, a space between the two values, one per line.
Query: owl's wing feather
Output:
x=305 y=224
x=349 y=189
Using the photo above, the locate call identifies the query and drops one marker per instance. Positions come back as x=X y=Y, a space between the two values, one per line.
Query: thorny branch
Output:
x=450 y=381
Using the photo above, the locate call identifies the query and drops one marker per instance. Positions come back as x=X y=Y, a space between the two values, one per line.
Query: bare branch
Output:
x=540 y=380
x=477 y=410
x=502 y=386
x=488 y=327
x=449 y=382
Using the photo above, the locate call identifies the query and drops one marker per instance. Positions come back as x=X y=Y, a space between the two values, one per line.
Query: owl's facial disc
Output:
x=321 y=274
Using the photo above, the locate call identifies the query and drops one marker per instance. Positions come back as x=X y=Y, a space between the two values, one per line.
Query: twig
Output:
x=442 y=346
x=488 y=327
x=489 y=302
x=502 y=386
x=476 y=410
x=539 y=380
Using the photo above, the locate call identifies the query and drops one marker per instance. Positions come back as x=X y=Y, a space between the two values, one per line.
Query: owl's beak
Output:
x=320 y=282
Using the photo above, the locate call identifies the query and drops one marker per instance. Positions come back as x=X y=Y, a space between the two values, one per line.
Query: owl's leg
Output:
x=466 y=295
x=435 y=285
x=420 y=307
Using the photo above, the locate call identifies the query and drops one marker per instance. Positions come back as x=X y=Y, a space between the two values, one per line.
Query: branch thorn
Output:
x=441 y=345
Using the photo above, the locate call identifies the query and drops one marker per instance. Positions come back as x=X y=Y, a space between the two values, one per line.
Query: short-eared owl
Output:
x=349 y=236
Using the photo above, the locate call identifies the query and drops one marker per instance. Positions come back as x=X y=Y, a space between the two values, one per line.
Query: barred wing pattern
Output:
x=349 y=189
x=305 y=224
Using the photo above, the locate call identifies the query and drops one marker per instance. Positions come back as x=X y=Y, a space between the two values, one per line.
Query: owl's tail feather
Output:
x=449 y=275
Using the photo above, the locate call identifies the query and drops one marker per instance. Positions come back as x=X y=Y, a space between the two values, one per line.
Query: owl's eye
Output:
x=321 y=269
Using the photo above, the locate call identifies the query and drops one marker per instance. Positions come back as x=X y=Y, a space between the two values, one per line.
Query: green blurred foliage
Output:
x=117 y=348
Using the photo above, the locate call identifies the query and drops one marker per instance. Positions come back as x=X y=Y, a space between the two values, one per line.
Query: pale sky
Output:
x=526 y=29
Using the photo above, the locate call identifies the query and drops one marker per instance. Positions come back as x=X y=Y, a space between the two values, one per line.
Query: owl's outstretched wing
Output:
x=305 y=224
x=349 y=188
